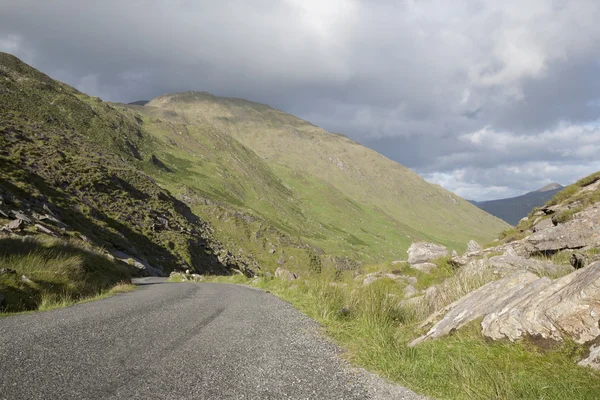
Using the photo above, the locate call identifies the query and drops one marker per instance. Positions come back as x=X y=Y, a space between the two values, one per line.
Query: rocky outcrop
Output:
x=285 y=274
x=476 y=304
x=420 y=255
x=423 y=252
x=566 y=306
x=581 y=232
x=523 y=304
x=509 y=263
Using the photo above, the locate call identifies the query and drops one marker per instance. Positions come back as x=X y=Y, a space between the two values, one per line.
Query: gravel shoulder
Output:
x=179 y=341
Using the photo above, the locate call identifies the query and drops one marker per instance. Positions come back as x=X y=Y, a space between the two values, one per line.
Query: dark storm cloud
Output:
x=486 y=98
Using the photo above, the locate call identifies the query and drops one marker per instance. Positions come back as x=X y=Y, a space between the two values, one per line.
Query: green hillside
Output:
x=196 y=181
x=324 y=188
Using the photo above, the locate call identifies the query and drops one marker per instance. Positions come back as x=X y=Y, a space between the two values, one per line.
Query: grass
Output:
x=374 y=327
x=51 y=273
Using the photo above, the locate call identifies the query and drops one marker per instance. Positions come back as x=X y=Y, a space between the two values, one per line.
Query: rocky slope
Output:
x=544 y=280
x=70 y=168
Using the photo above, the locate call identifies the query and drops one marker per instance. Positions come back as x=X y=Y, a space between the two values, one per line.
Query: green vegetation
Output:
x=296 y=186
x=50 y=273
x=375 y=327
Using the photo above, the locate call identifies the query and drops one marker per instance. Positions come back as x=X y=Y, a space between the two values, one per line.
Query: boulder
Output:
x=566 y=306
x=543 y=224
x=582 y=231
x=473 y=247
x=509 y=262
x=426 y=267
x=375 y=276
x=44 y=229
x=410 y=291
x=477 y=304
x=422 y=252
x=524 y=305
x=593 y=359
x=285 y=274
x=20 y=215
x=25 y=279
x=15 y=225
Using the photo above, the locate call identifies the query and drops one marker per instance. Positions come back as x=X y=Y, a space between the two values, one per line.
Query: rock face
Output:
x=524 y=305
x=569 y=305
x=477 y=304
x=509 y=262
x=423 y=252
x=582 y=232
x=285 y=274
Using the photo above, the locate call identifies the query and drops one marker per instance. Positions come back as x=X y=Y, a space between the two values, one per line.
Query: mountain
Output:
x=192 y=180
x=335 y=194
x=139 y=103
x=513 y=209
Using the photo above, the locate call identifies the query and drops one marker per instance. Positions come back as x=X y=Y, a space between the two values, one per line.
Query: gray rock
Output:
x=551 y=309
x=15 y=224
x=410 y=291
x=543 y=224
x=593 y=359
x=523 y=304
x=510 y=262
x=423 y=252
x=426 y=267
x=44 y=229
x=20 y=215
x=477 y=304
x=473 y=247
x=25 y=279
x=5 y=215
x=582 y=231
x=285 y=274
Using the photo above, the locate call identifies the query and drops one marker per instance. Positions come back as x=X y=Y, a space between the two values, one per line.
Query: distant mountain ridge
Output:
x=513 y=209
x=139 y=103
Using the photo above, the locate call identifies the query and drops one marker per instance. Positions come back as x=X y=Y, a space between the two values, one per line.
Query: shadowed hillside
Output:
x=513 y=209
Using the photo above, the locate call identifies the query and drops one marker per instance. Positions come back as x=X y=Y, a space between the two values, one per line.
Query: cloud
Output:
x=418 y=80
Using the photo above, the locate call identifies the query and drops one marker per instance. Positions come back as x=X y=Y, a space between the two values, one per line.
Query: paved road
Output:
x=178 y=341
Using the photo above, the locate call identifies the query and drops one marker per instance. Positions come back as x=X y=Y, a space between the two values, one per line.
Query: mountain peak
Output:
x=550 y=186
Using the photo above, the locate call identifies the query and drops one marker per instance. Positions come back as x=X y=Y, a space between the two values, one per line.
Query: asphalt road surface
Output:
x=178 y=341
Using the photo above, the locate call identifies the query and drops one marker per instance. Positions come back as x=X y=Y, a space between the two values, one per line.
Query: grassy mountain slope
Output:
x=192 y=180
x=324 y=188
x=80 y=157
x=513 y=209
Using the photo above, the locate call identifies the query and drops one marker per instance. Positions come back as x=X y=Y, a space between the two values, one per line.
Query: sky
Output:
x=489 y=99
